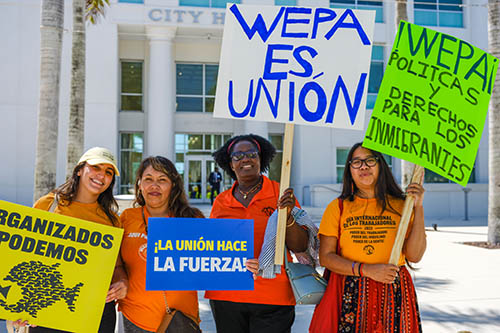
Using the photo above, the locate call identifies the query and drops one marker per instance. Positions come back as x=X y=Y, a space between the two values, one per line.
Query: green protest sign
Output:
x=432 y=104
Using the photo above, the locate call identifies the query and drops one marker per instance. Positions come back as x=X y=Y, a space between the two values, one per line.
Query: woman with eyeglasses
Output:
x=270 y=306
x=357 y=233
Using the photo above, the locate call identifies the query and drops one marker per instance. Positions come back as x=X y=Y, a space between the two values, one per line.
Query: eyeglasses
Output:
x=358 y=163
x=239 y=155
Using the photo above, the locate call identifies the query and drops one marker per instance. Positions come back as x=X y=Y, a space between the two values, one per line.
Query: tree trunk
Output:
x=77 y=98
x=406 y=167
x=51 y=29
x=494 y=129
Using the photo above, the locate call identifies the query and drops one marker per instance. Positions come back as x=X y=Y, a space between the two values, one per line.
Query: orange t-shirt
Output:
x=146 y=308
x=366 y=235
x=275 y=291
x=88 y=212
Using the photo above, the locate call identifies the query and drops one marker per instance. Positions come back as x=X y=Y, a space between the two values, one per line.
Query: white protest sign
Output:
x=295 y=65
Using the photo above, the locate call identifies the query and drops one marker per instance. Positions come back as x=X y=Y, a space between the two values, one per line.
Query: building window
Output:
x=131 y=149
x=342 y=159
x=275 y=167
x=196 y=85
x=207 y=3
x=131 y=86
x=441 y=13
x=376 y=73
x=285 y=2
x=359 y=4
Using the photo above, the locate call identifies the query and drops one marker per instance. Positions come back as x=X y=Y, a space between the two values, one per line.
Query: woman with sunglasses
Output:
x=376 y=296
x=270 y=306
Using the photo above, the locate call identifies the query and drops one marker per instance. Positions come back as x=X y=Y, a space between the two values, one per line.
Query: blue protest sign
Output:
x=199 y=254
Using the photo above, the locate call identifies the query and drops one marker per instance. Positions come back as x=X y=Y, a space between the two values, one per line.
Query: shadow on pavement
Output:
x=471 y=317
x=424 y=283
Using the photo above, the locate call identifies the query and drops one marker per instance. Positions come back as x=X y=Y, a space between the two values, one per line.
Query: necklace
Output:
x=253 y=189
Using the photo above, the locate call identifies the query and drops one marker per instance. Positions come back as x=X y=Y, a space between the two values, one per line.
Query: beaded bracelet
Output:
x=290 y=224
x=352 y=268
x=360 y=269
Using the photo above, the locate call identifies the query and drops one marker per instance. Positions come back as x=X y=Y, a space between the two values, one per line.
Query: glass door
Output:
x=197 y=170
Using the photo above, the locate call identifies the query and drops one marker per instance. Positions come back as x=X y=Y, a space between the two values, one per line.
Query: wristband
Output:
x=352 y=268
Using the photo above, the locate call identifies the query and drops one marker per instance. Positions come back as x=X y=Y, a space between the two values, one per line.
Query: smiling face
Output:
x=247 y=169
x=155 y=187
x=94 y=180
x=365 y=177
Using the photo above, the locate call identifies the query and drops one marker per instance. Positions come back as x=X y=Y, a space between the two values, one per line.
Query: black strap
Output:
x=144 y=220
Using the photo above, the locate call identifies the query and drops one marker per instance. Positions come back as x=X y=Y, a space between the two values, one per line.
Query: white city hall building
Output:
x=151 y=78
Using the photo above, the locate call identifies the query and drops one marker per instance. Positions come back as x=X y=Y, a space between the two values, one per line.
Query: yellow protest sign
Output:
x=56 y=270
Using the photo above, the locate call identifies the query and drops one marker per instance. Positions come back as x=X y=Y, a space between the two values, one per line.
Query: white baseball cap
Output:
x=99 y=155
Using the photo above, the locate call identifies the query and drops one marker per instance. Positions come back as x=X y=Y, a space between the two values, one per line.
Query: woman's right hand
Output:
x=384 y=273
x=21 y=323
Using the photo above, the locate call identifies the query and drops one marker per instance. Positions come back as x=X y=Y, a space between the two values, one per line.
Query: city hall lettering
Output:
x=186 y=16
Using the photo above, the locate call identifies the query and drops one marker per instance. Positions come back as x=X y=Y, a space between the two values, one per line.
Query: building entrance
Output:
x=197 y=170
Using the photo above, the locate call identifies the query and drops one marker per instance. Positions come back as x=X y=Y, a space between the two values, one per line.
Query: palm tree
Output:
x=77 y=93
x=494 y=127
x=83 y=10
x=51 y=30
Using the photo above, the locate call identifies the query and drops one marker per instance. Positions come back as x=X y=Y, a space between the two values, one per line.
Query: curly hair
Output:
x=386 y=184
x=178 y=205
x=67 y=192
x=265 y=148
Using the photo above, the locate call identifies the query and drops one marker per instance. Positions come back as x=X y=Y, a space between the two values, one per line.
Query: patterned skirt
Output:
x=371 y=306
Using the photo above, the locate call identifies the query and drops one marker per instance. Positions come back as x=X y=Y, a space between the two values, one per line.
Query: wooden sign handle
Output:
x=417 y=177
x=286 y=168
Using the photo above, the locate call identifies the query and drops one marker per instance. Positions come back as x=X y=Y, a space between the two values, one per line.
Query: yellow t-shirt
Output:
x=366 y=234
x=88 y=212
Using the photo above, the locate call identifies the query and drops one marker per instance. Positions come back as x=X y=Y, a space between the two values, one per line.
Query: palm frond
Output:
x=94 y=10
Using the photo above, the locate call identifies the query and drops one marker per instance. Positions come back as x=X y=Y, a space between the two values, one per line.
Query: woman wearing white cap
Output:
x=88 y=195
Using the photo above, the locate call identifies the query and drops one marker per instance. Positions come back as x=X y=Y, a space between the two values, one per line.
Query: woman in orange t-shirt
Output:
x=88 y=195
x=158 y=193
x=373 y=296
x=270 y=306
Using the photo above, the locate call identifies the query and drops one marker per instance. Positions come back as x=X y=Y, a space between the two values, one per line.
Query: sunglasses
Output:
x=358 y=163
x=239 y=155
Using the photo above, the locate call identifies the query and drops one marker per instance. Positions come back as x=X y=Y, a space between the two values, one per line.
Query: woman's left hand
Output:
x=416 y=191
x=287 y=200
x=117 y=290
x=252 y=265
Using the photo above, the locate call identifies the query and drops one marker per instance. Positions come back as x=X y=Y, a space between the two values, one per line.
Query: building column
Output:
x=160 y=131
x=257 y=127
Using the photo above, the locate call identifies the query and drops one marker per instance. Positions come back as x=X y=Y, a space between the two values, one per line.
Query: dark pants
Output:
x=231 y=317
x=107 y=325
x=215 y=187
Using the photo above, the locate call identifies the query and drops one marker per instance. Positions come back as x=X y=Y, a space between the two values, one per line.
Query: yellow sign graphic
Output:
x=56 y=270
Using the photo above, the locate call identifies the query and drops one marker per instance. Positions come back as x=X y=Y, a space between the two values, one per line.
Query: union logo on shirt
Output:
x=268 y=210
x=368 y=249
x=143 y=251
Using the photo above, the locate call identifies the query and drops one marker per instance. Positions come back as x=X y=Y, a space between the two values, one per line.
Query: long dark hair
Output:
x=386 y=184
x=178 y=205
x=265 y=148
x=67 y=192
